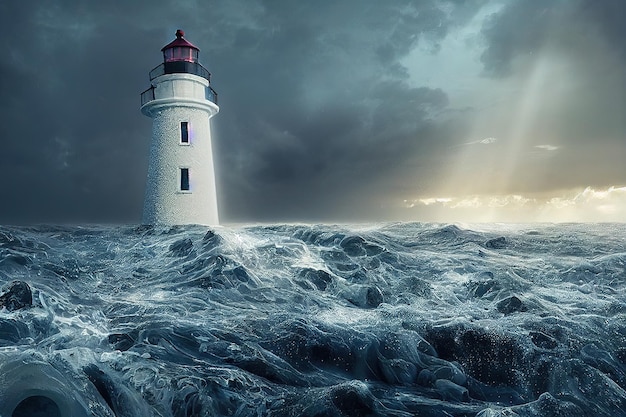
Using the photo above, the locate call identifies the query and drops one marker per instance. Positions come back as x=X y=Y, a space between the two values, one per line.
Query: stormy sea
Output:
x=404 y=319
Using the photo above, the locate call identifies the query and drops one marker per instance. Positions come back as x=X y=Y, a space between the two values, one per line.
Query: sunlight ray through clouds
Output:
x=494 y=163
x=520 y=132
x=510 y=164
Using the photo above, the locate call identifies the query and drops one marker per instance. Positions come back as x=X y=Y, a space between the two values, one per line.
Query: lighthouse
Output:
x=180 y=187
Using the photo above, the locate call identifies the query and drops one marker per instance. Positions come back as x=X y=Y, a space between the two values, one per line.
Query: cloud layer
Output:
x=321 y=118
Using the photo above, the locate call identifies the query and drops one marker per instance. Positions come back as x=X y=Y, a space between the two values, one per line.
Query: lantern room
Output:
x=180 y=49
x=180 y=57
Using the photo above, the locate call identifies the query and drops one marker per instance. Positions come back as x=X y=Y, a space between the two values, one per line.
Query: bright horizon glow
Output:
x=510 y=146
x=570 y=206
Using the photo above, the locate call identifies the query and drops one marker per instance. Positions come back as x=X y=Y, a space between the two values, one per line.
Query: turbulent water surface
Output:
x=299 y=320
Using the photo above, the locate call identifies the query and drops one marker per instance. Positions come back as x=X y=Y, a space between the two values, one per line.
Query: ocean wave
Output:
x=313 y=320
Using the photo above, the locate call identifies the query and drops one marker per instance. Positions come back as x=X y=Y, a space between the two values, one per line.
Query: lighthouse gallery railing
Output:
x=148 y=95
x=178 y=67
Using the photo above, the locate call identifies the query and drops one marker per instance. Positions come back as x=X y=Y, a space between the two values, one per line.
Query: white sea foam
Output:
x=380 y=319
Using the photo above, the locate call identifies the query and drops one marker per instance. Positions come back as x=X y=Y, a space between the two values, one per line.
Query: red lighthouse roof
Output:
x=180 y=49
x=180 y=41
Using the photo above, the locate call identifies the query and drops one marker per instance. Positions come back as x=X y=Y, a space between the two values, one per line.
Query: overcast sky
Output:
x=330 y=111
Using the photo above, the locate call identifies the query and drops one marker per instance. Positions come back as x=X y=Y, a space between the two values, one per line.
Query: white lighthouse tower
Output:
x=181 y=181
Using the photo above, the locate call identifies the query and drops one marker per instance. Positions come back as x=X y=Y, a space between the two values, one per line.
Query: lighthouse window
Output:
x=184 y=132
x=184 y=179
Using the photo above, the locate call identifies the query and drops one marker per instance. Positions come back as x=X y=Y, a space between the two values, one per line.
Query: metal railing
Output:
x=148 y=95
x=177 y=67
x=211 y=95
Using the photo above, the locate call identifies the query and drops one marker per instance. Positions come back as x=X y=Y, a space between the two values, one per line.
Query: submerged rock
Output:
x=374 y=297
x=120 y=399
x=542 y=340
x=181 y=248
x=17 y=295
x=356 y=246
x=317 y=278
x=103 y=384
x=491 y=358
x=510 y=305
x=211 y=239
x=496 y=243
x=121 y=341
x=353 y=399
x=353 y=246
x=450 y=391
x=426 y=378
x=486 y=287
x=12 y=331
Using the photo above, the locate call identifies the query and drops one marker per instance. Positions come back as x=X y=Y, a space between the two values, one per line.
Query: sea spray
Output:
x=389 y=320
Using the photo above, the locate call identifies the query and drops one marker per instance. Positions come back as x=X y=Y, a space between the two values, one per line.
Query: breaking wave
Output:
x=300 y=320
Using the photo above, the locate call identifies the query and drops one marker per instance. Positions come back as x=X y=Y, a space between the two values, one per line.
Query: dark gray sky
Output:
x=334 y=111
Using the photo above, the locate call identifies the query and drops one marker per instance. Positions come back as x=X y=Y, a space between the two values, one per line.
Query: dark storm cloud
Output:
x=70 y=138
x=519 y=29
x=318 y=120
x=608 y=16
x=326 y=115
x=332 y=159
x=314 y=107
x=522 y=28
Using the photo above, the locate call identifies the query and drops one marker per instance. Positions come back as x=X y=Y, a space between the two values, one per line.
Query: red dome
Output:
x=180 y=49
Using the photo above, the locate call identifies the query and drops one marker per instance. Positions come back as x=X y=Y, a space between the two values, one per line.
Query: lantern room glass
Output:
x=180 y=53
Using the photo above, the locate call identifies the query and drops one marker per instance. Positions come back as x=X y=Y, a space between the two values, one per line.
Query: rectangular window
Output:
x=184 y=132
x=184 y=179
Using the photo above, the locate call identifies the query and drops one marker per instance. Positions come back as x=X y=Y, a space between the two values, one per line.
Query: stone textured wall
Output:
x=165 y=203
